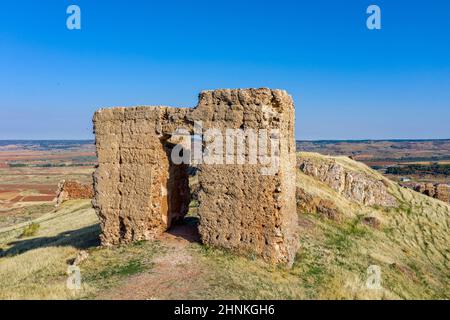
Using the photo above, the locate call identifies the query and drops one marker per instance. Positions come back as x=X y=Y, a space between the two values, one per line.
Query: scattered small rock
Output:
x=372 y=222
x=80 y=258
x=313 y=204
x=329 y=210
x=405 y=270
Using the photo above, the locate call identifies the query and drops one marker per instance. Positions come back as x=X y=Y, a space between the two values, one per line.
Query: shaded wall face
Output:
x=242 y=206
x=136 y=194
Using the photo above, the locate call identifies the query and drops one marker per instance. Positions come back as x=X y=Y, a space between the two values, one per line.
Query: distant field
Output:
x=410 y=247
x=379 y=150
x=31 y=170
x=427 y=163
x=392 y=156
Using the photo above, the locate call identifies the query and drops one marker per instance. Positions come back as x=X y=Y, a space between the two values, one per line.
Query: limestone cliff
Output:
x=438 y=191
x=355 y=185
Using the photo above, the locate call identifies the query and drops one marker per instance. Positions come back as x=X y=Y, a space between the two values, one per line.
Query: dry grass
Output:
x=30 y=230
x=36 y=267
x=411 y=248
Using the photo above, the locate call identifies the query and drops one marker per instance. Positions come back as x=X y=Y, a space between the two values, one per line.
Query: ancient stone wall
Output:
x=135 y=180
x=245 y=206
x=241 y=208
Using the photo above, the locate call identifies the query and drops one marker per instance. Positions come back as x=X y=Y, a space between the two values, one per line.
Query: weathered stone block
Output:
x=247 y=206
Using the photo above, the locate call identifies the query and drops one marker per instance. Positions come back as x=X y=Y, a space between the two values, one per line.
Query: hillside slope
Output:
x=409 y=243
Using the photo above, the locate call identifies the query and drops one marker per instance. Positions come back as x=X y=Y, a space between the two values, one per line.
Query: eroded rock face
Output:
x=438 y=190
x=355 y=186
x=442 y=192
x=245 y=207
x=70 y=190
x=373 y=222
x=308 y=203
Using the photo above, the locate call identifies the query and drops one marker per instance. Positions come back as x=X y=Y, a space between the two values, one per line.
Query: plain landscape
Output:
x=402 y=231
x=420 y=160
x=250 y=153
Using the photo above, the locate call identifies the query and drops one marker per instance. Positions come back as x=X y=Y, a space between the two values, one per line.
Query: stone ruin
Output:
x=140 y=191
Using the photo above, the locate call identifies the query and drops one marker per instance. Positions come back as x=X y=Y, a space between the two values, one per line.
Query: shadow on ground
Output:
x=88 y=237
x=83 y=238
x=186 y=229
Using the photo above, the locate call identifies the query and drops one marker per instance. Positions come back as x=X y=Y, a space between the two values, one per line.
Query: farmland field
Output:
x=31 y=170
x=384 y=154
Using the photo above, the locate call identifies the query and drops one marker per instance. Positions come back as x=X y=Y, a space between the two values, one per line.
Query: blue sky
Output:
x=348 y=82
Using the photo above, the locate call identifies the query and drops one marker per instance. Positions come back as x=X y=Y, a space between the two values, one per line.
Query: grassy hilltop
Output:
x=411 y=245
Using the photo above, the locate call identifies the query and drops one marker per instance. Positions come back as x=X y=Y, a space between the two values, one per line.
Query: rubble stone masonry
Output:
x=244 y=206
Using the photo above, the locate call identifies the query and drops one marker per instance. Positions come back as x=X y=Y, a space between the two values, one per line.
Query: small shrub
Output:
x=17 y=165
x=193 y=204
x=30 y=230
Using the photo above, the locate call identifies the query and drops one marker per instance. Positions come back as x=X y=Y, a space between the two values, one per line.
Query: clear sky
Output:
x=348 y=82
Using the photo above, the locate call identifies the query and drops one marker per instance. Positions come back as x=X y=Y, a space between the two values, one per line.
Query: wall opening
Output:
x=182 y=196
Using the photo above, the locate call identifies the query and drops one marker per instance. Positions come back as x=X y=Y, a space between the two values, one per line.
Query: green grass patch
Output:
x=30 y=230
x=129 y=268
x=106 y=267
x=342 y=237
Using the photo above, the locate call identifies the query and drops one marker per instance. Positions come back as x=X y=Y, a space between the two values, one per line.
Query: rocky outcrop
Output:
x=438 y=191
x=71 y=190
x=353 y=185
x=373 y=222
x=308 y=203
x=244 y=206
x=442 y=192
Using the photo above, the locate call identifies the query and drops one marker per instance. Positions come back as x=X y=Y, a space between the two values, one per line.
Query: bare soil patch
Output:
x=38 y=198
x=176 y=274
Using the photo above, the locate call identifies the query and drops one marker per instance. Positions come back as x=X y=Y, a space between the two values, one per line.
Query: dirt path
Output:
x=175 y=275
